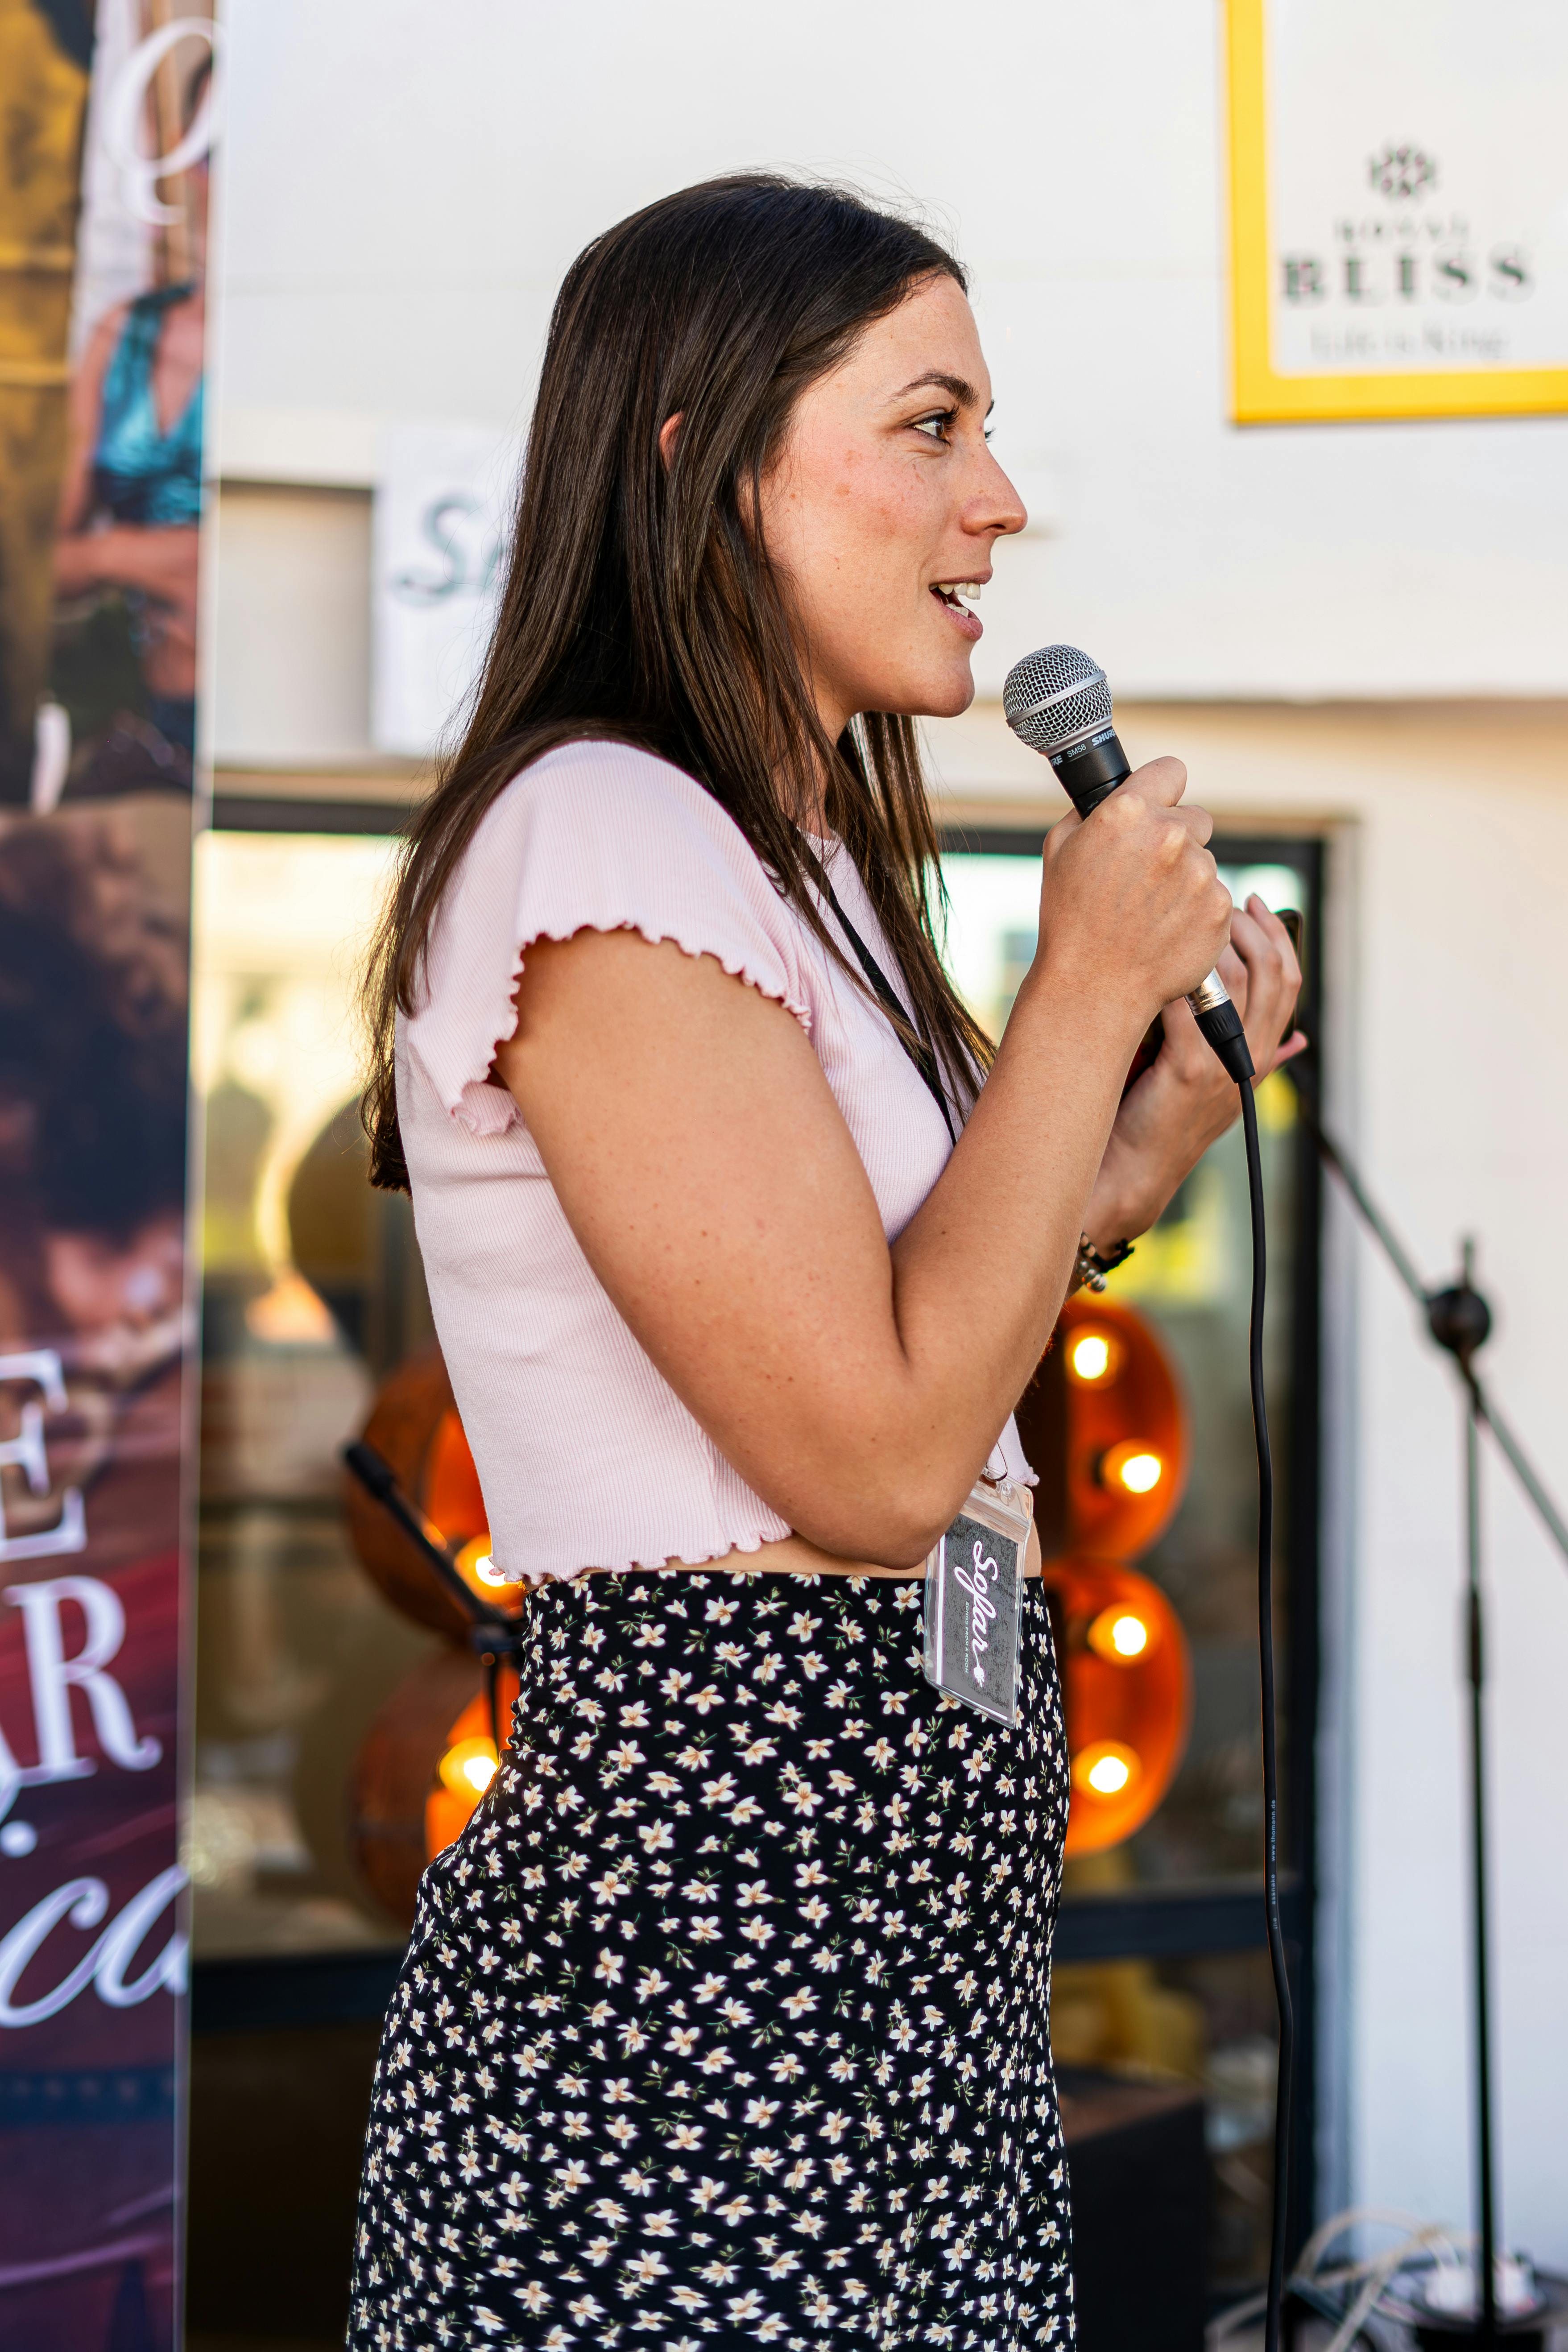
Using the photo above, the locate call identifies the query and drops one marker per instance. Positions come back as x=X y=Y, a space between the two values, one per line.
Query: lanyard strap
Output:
x=919 y=1054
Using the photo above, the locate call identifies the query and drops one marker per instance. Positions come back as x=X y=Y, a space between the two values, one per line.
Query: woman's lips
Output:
x=960 y=615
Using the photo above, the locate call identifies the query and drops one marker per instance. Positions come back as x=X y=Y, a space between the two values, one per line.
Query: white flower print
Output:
x=726 y=2016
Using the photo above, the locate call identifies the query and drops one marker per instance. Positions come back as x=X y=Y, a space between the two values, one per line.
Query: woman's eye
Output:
x=935 y=427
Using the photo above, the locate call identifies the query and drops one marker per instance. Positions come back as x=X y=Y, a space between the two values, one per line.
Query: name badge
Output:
x=972 y=1578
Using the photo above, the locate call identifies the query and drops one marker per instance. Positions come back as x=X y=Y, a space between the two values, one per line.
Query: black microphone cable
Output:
x=1277 y=1957
x=1057 y=701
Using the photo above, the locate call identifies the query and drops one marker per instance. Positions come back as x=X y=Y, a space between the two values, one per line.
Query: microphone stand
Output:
x=1458 y=1320
x=492 y=1634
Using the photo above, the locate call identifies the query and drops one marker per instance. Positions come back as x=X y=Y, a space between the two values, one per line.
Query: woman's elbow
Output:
x=891 y=1522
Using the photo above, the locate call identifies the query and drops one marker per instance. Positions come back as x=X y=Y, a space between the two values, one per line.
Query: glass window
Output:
x=1206 y=2021
x=312 y=1290
x=1210 y=2021
x=1190 y=1278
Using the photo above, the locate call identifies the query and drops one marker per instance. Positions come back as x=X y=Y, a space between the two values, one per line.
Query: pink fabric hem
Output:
x=670 y=1565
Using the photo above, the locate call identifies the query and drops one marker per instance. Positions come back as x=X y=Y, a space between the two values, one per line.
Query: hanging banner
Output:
x=103 y=177
x=1399 y=208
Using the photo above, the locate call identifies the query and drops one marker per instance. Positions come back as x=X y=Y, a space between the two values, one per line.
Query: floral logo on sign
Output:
x=1402 y=171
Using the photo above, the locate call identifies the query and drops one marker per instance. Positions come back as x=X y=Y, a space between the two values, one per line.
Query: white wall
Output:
x=291 y=615
x=405 y=185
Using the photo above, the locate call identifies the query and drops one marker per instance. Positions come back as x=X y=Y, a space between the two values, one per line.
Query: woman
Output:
x=131 y=499
x=725 y=2019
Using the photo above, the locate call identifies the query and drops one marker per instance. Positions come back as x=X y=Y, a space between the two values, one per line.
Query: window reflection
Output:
x=1191 y=1278
x=1210 y=2021
x=312 y=1293
x=311 y=1289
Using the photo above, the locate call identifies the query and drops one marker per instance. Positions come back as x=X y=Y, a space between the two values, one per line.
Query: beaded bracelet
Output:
x=1090 y=1268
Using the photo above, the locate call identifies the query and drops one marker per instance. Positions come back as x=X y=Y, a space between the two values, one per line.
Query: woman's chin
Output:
x=933 y=690
x=947 y=698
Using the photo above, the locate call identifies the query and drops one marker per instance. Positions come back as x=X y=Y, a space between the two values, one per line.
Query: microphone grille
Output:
x=1071 y=687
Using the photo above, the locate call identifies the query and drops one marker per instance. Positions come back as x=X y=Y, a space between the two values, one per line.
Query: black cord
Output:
x=492 y=1634
x=920 y=1053
x=1271 y=1756
x=492 y=1698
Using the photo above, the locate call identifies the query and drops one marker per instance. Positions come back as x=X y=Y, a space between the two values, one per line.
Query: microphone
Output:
x=1058 y=703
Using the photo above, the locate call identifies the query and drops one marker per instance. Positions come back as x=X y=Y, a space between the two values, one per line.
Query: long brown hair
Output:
x=640 y=601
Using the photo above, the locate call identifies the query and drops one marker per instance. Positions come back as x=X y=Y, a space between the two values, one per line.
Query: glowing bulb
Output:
x=479 y=1568
x=1107 y=1767
x=468 y=1766
x=1091 y=1356
x=1122 y=1635
x=1139 y=1474
x=1133 y=1466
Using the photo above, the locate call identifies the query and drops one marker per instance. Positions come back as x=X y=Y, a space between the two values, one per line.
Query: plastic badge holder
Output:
x=973 y=1578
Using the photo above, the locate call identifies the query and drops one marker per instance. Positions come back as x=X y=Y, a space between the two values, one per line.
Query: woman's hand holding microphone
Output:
x=1132 y=909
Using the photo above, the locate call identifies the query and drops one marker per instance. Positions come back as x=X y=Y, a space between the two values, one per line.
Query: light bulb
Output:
x=1139 y=1474
x=478 y=1566
x=468 y=1766
x=1132 y=1466
x=1106 y=1768
x=1120 y=1635
x=1091 y=1356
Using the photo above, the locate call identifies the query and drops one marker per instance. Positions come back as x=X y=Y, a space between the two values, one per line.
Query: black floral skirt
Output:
x=724 y=2022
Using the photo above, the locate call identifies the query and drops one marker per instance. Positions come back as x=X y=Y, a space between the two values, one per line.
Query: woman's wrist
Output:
x=1105 y=1017
x=1118 y=1212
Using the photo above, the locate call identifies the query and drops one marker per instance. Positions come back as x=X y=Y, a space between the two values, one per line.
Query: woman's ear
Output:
x=667 y=432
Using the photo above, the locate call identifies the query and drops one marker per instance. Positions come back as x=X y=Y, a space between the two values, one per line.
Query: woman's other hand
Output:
x=1132 y=910
x=1183 y=1101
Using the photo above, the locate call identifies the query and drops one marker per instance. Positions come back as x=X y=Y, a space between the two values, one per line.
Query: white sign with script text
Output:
x=443 y=510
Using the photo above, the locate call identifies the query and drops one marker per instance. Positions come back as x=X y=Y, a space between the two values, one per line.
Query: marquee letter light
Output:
x=468 y=1765
x=426 y=1758
x=1127 y=1444
x=1105 y=1424
x=1127 y=1694
x=398 y=1775
x=413 y=1426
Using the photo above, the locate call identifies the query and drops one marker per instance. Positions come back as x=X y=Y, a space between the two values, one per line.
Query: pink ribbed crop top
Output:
x=586 y=1456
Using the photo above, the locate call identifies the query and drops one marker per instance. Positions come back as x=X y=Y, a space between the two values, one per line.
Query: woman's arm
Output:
x=84 y=416
x=714 y=1188
x=158 y=558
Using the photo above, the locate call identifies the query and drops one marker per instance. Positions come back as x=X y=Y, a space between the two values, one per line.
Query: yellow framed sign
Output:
x=1399 y=208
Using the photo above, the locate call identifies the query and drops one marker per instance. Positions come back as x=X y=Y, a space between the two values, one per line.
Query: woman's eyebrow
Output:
x=936 y=379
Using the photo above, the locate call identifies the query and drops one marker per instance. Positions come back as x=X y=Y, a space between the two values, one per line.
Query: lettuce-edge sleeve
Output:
x=594 y=836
